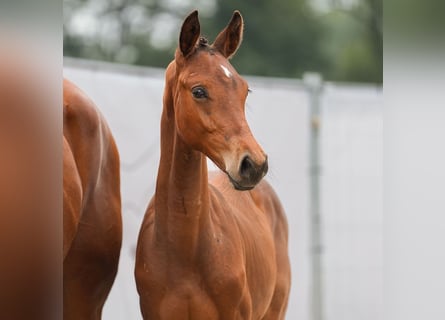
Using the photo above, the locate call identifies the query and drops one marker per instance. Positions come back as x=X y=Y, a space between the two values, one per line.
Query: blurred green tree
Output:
x=282 y=38
x=353 y=41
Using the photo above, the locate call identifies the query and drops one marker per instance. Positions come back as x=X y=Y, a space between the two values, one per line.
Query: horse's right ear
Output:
x=229 y=40
x=189 y=33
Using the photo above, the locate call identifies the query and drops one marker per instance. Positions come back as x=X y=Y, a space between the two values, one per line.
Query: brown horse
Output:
x=92 y=223
x=208 y=250
x=30 y=193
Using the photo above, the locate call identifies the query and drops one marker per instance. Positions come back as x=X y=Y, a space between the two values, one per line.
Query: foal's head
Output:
x=209 y=98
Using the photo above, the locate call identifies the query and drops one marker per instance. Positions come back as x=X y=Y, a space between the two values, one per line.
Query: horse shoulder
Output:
x=265 y=197
x=267 y=200
x=259 y=218
x=246 y=246
x=260 y=205
x=150 y=264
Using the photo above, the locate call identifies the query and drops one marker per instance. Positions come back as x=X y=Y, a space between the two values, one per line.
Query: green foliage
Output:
x=354 y=44
x=282 y=38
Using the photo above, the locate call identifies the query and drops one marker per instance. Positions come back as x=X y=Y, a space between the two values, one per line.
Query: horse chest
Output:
x=201 y=296
x=227 y=274
x=187 y=301
x=204 y=289
x=250 y=251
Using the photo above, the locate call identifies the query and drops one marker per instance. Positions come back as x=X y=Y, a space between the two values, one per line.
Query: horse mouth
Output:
x=238 y=186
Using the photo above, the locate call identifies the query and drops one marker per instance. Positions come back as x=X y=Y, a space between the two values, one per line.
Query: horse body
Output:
x=208 y=250
x=92 y=207
x=30 y=257
x=232 y=273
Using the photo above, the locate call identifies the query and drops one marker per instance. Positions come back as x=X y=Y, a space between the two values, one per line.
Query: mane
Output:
x=203 y=44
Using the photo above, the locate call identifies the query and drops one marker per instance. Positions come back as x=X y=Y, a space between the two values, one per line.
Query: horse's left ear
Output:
x=229 y=40
x=189 y=33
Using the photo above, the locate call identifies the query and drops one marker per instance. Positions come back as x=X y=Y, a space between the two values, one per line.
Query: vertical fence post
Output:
x=314 y=84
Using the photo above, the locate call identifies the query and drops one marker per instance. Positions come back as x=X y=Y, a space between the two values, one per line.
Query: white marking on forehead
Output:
x=226 y=71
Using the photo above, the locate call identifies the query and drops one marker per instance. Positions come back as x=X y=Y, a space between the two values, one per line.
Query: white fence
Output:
x=278 y=113
x=351 y=202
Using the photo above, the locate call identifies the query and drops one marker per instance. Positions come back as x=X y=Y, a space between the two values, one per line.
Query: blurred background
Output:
x=342 y=39
x=315 y=70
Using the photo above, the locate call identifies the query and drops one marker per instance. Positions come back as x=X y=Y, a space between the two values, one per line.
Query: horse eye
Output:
x=199 y=93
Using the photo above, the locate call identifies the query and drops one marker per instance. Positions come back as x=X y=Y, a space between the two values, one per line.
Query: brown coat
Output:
x=92 y=224
x=208 y=250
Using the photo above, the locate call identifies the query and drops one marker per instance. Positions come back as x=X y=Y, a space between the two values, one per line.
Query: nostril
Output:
x=246 y=167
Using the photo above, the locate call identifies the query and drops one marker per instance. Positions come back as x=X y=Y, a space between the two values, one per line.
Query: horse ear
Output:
x=229 y=40
x=189 y=33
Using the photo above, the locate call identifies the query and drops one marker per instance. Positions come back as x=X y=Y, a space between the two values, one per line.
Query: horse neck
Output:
x=182 y=198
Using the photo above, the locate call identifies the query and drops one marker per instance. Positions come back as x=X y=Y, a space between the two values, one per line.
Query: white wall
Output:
x=351 y=202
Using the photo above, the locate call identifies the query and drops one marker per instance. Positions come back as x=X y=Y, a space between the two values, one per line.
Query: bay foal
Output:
x=208 y=250
x=92 y=226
